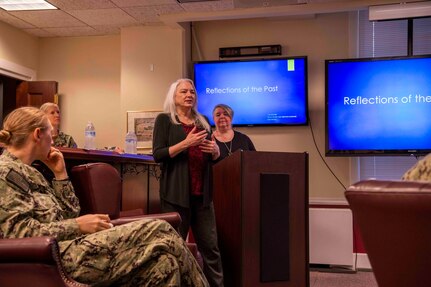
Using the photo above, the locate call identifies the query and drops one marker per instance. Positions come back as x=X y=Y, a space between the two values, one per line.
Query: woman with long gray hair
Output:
x=183 y=144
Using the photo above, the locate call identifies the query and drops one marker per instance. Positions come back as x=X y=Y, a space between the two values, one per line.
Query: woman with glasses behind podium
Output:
x=226 y=137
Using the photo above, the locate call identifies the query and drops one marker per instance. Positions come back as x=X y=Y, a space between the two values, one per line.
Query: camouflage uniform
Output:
x=420 y=171
x=141 y=253
x=64 y=140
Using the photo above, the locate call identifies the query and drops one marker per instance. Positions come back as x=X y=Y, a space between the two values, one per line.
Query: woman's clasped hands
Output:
x=198 y=137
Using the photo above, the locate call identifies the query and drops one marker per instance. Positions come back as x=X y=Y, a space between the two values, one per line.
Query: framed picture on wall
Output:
x=142 y=123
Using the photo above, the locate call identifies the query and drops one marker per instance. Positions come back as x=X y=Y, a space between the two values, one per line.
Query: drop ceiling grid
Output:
x=98 y=17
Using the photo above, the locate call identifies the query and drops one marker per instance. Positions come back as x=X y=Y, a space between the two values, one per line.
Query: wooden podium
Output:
x=261 y=206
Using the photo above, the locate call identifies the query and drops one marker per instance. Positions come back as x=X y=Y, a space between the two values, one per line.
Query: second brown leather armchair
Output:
x=394 y=219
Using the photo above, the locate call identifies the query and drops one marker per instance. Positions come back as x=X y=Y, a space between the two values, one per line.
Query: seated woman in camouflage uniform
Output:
x=60 y=139
x=142 y=253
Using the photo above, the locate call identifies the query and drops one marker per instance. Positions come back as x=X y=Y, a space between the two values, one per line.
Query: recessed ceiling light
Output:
x=19 y=5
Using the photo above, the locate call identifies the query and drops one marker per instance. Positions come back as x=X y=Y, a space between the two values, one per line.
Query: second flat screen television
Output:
x=261 y=92
x=378 y=106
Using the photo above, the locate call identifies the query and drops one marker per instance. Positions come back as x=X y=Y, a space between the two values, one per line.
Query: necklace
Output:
x=221 y=137
x=229 y=149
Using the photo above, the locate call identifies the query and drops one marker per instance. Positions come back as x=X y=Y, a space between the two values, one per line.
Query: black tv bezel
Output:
x=371 y=152
x=254 y=59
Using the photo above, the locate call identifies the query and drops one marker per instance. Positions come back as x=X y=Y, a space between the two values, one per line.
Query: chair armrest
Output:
x=33 y=261
x=32 y=249
x=173 y=218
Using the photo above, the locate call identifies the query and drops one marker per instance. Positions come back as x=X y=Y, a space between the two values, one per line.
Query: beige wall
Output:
x=18 y=47
x=322 y=37
x=100 y=78
x=151 y=59
x=88 y=72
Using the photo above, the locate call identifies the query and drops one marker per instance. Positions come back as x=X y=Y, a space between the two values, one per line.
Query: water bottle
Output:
x=130 y=144
x=90 y=136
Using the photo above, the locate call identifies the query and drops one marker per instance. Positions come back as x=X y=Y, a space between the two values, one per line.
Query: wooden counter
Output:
x=140 y=175
x=80 y=154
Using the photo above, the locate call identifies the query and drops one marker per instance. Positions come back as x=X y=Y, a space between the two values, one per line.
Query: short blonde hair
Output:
x=20 y=123
x=225 y=108
x=46 y=106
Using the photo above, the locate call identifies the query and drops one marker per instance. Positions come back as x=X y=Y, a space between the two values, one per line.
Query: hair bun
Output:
x=5 y=136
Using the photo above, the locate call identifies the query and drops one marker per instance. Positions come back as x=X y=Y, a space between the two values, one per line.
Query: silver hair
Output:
x=170 y=108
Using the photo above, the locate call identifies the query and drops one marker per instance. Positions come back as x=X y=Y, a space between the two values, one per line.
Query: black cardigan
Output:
x=174 y=181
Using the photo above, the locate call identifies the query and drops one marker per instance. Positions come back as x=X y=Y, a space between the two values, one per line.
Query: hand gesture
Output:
x=210 y=146
x=195 y=137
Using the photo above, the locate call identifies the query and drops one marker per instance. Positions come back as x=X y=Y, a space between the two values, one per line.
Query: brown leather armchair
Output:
x=32 y=262
x=99 y=189
x=394 y=219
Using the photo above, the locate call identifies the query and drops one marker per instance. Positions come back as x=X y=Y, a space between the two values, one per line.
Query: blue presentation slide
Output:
x=379 y=104
x=261 y=92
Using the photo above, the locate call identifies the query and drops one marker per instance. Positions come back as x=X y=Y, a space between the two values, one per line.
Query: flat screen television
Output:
x=378 y=106
x=262 y=92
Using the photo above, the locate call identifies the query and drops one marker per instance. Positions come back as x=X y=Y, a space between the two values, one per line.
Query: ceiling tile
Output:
x=142 y=16
x=39 y=32
x=263 y=3
x=82 y=4
x=48 y=18
x=108 y=30
x=134 y=3
x=154 y=24
x=151 y=13
x=208 y=6
x=165 y=9
x=73 y=31
x=14 y=21
x=113 y=16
